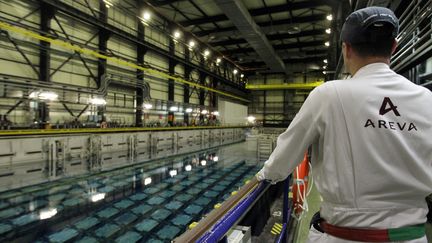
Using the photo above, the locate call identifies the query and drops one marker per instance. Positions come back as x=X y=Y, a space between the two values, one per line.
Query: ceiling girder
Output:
x=278 y=47
x=278 y=36
x=295 y=20
x=258 y=12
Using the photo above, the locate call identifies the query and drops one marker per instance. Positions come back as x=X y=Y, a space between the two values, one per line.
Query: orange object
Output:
x=300 y=184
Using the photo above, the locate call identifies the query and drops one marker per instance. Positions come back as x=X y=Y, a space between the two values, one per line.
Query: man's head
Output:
x=368 y=36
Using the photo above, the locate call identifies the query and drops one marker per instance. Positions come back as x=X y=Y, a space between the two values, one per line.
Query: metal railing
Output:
x=214 y=226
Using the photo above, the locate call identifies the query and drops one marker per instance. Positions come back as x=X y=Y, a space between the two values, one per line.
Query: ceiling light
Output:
x=215 y=158
x=242 y=75
x=325 y=61
x=47 y=213
x=147 y=106
x=188 y=110
x=324 y=67
x=173 y=108
x=188 y=167
x=173 y=173
x=47 y=95
x=206 y=53
x=97 y=101
x=191 y=44
x=203 y=162
x=329 y=17
x=218 y=60
x=251 y=118
x=177 y=34
x=328 y=31
x=108 y=4
x=204 y=112
x=216 y=113
x=146 y=15
x=235 y=71
x=147 y=181
x=327 y=43
x=97 y=197
x=324 y=72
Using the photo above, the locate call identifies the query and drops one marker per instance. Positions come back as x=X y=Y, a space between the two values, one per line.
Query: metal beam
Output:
x=186 y=87
x=158 y=3
x=87 y=18
x=277 y=47
x=295 y=20
x=317 y=58
x=279 y=36
x=258 y=11
x=305 y=86
x=238 y=14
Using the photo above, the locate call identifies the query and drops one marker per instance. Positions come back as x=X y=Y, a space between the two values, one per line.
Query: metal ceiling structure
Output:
x=279 y=32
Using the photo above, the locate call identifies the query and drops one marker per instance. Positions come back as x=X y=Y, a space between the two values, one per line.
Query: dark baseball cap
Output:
x=369 y=24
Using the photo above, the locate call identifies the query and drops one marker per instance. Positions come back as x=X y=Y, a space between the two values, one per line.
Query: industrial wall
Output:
x=278 y=107
x=232 y=113
x=31 y=160
x=120 y=32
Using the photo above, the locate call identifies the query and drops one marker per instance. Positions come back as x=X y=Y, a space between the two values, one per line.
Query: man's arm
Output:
x=291 y=145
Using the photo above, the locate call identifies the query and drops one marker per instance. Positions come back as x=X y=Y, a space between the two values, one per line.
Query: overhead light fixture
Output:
x=173 y=173
x=177 y=34
x=204 y=112
x=218 y=60
x=97 y=197
x=146 y=15
x=329 y=17
x=325 y=61
x=147 y=181
x=188 y=110
x=44 y=95
x=327 y=43
x=47 y=213
x=242 y=75
x=191 y=44
x=97 y=101
x=173 y=108
x=215 y=158
x=328 y=31
x=203 y=162
x=206 y=53
x=324 y=67
x=216 y=113
x=324 y=72
x=147 y=106
x=188 y=167
x=108 y=4
x=235 y=71
x=251 y=118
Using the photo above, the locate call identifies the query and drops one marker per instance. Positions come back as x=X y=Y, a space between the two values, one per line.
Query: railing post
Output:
x=286 y=208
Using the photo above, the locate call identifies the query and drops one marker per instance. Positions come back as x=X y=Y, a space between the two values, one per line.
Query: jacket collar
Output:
x=371 y=68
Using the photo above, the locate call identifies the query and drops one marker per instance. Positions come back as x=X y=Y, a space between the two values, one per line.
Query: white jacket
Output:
x=371 y=139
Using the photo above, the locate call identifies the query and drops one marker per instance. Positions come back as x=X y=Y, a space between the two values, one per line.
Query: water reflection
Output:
x=155 y=200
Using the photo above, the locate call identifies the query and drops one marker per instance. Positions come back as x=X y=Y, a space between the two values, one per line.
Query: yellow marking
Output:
x=104 y=130
x=192 y=225
x=304 y=86
x=233 y=193
x=247 y=181
x=217 y=205
x=117 y=60
x=290 y=195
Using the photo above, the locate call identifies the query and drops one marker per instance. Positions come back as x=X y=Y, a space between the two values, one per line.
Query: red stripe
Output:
x=362 y=235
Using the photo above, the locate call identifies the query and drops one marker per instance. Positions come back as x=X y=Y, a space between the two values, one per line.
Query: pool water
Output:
x=152 y=202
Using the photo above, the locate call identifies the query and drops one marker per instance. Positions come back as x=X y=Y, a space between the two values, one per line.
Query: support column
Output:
x=47 y=13
x=171 y=70
x=186 y=88
x=202 y=77
x=265 y=102
x=141 y=51
x=102 y=63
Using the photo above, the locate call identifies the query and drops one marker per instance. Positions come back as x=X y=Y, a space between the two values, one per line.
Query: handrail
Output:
x=214 y=226
x=220 y=220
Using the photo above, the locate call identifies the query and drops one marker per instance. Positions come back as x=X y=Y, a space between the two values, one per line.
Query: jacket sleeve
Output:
x=291 y=145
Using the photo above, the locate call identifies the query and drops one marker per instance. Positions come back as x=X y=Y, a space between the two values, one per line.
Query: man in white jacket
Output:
x=371 y=142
